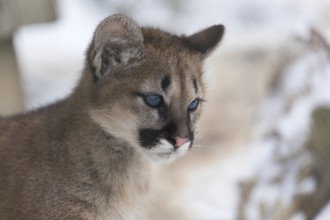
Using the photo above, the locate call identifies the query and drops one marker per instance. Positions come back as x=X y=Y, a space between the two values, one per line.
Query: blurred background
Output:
x=264 y=146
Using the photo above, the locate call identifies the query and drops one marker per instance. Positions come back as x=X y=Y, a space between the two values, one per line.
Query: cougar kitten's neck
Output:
x=89 y=156
x=90 y=153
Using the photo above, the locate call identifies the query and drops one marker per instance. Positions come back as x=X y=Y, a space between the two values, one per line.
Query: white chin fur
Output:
x=164 y=152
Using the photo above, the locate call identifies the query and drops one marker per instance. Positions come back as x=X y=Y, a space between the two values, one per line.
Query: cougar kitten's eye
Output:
x=193 y=105
x=154 y=101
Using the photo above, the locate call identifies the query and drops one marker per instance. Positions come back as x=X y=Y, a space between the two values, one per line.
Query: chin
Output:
x=165 y=152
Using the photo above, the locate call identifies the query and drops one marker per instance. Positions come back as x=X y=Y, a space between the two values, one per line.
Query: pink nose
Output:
x=180 y=141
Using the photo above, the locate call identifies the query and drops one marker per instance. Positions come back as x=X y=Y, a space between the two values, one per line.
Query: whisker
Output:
x=197 y=145
x=97 y=134
x=100 y=110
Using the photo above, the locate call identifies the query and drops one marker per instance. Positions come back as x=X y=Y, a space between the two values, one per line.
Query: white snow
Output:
x=299 y=216
x=307 y=186
x=291 y=122
x=325 y=213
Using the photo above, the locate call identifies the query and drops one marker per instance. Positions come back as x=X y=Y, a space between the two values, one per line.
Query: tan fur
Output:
x=124 y=121
x=84 y=157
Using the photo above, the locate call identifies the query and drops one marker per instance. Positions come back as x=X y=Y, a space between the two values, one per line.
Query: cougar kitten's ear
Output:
x=205 y=40
x=117 y=42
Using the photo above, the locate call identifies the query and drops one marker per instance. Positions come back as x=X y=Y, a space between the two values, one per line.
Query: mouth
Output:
x=164 y=145
x=163 y=151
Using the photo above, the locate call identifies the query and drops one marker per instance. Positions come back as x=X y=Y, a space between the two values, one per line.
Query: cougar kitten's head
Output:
x=148 y=89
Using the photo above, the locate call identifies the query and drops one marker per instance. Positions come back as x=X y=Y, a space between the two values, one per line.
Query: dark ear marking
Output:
x=205 y=40
x=166 y=81
x=117 y=42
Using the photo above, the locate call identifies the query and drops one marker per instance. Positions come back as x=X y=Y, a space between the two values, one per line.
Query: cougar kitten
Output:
x=86 y=157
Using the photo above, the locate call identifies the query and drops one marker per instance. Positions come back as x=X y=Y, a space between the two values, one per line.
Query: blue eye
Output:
x=154 y=101
x=193 y=105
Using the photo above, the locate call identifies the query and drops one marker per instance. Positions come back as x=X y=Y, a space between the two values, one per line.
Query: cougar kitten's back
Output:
x=86 y=157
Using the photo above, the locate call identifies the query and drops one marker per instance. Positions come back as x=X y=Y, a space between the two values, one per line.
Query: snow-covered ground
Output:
x=51 y=57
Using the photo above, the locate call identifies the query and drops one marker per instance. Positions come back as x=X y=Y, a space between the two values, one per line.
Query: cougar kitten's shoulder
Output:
x=86 y=157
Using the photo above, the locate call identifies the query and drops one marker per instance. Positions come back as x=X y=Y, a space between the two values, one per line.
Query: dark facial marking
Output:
x=166 y=81
x=195 y=85
x=148 y=137
x=163 y=112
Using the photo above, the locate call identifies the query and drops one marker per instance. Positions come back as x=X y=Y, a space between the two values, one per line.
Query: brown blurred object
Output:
x=13 y=14
x=319 y=144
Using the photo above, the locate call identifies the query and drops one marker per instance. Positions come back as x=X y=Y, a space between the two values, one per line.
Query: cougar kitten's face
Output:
x=155 y=104
x=149 y=89
x=168 y=103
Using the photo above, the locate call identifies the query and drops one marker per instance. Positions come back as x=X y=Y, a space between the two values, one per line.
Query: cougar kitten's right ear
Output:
x=117 y=41
x=205 y=40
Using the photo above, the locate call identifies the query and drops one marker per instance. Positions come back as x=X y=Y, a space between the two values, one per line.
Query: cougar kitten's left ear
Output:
x=204 y=41
x=117 y=42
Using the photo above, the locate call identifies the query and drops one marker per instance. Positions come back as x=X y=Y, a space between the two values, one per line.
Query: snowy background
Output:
x=252 y=155
x=58 y=48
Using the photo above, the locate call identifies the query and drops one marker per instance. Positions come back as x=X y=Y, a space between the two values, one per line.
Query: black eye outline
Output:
x=153 y=100
x=193 y=105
